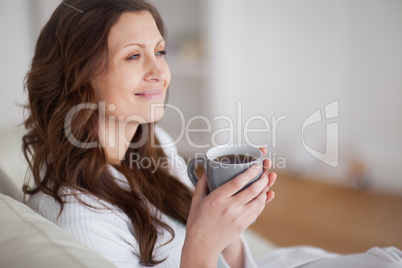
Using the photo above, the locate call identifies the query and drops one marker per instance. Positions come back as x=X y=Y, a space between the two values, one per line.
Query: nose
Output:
x=155 y=70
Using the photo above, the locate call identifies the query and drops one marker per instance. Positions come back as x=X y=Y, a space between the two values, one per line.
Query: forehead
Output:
x=133 y=27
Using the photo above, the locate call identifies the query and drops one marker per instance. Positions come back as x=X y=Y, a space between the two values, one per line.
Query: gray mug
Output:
x=222 y=166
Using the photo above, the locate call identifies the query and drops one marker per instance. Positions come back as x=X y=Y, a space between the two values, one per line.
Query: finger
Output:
x=263 y=150
x=272 y=178
x=253 y=190
x=270 y=196
x=201 y=189
x=254 y=208
x=267 y=164
x=233 y=186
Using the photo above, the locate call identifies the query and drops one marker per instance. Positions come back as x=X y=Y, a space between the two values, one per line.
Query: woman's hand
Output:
x=217 y=219
x=234 y=253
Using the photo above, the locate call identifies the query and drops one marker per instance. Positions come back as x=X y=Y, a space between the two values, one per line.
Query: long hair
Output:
x=72 y=49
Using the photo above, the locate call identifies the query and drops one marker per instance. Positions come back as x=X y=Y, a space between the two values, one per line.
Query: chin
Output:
x=157 y=115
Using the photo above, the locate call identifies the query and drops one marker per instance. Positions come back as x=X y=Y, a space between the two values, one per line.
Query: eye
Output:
x=161 y=53
x=134 y=57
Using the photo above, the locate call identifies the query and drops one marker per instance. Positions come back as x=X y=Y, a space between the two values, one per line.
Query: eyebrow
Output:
x=142 y=45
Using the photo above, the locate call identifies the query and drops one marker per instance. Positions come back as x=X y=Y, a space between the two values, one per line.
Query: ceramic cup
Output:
x=222 y=166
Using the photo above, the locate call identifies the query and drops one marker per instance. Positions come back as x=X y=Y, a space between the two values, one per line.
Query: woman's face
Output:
x=138 y=75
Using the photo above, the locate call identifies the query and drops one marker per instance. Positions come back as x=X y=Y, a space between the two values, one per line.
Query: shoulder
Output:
x=76 y=204
x=98 y=224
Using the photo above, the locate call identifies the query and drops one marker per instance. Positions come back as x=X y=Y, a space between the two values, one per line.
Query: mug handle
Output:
x=191 y=168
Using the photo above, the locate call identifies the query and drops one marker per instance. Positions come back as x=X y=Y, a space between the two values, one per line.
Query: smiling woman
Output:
x=99 y=71
x=85 y=55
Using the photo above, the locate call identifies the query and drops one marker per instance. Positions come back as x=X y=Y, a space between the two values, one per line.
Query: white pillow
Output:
x=29 y=240
x=12 y=162
x=8 y=187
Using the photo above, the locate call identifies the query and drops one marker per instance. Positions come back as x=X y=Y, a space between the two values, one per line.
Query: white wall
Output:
x=375 y=88
x=20 y=23
x=294 y=57
x=15 y=54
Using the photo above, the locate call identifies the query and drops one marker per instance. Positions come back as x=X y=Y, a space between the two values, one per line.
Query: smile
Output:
x=152 y=94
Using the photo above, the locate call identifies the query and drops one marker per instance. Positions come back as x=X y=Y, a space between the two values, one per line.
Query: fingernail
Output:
x=257 y=166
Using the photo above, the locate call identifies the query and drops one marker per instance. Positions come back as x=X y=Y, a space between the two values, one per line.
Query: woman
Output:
x=97 y=79
x=97 y=82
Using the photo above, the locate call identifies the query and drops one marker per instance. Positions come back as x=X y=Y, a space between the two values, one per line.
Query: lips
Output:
x=152 y=94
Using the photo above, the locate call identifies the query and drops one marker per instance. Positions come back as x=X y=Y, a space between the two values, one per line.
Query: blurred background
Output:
x=269 y=65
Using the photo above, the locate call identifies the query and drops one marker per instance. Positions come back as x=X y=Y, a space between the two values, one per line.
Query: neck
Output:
x=115 y=137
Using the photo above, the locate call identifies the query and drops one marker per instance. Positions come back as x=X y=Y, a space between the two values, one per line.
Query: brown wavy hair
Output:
x=72 y=49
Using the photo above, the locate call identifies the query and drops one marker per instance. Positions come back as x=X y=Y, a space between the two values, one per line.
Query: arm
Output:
x=234 y=254
x=252 y=201
x=217 y=220
x=238 y=253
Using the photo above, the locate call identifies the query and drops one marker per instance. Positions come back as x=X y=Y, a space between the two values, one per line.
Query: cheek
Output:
x=168 y=75
x=157 y=114
x=115 y=87
x=97 y=87
x=101 y=87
